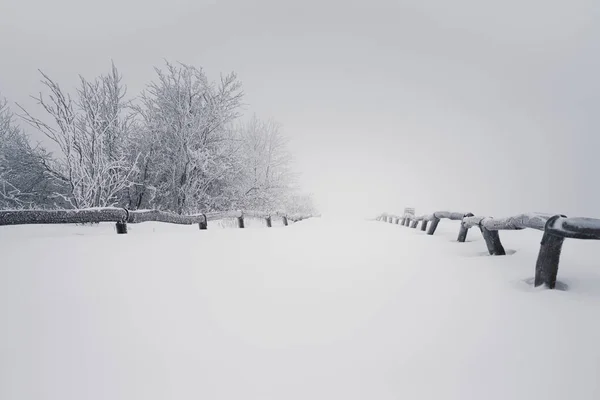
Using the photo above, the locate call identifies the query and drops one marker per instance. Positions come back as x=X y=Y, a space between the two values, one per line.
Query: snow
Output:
x=322 y=309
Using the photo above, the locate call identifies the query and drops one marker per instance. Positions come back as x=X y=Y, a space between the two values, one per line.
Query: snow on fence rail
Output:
x=122 y=217
x=555 y=227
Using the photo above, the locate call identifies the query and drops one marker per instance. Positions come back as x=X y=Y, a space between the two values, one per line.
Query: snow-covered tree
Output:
x=23 y=183
x=175 y=147
x=92 y=135
x=266 y=177
x=187 y=157
x=297 y=203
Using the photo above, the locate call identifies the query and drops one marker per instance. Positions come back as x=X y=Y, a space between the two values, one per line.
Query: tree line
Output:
x=181 y=145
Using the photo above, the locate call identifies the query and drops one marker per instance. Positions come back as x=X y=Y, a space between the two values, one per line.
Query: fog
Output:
x=463 y=105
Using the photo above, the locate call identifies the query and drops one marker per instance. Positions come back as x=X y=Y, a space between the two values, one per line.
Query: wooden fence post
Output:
x=492 y=241
x=397 y=221
x=285 y=221
x=462 y=232
x=407 y=222
x=546 y=266
x=241 y=221
x=203 y=224
x=268 y=219
x=403 y=221
x=414 y=224
x=434 y=223
x=424 y=225
x=122 y=227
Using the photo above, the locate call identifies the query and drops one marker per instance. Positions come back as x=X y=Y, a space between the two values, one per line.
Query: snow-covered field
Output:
x=322 y=309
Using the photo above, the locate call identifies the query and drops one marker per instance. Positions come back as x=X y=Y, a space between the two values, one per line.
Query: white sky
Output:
x=490 y=108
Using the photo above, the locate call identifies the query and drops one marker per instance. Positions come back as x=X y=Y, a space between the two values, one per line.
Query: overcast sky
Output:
x=489 y=107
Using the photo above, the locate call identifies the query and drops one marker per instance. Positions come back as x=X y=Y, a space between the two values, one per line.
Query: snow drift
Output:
x=317 y=310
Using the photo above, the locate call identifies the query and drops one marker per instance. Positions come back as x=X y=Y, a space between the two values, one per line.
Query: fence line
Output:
x=121 y=217
x=556 y=229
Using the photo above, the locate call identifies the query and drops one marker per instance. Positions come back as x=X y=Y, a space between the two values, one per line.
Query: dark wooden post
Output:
x=285 y=221
x=407 y=222
x=397 y=221
x=462 y=232
x=414 y=224
x=434 y=223
x=424 y=225
x=492 y=241
x=203 y=224
x=241 y=221
x=403 y=221
x=122 y=227
x=546 y=267
x=268 y=219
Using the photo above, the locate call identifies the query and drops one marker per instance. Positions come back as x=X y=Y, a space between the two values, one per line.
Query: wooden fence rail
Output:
x=556 y=229
x=122 y=217
x=489 y=227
